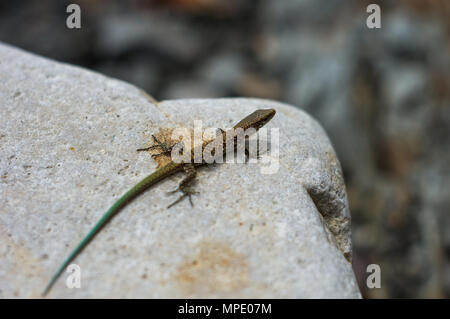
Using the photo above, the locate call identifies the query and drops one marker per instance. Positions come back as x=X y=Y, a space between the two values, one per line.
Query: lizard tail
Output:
x=147 y=182
x=114 y=209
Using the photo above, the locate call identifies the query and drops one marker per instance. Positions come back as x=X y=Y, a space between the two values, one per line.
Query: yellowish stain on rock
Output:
x=216 y=270
x=19 y=263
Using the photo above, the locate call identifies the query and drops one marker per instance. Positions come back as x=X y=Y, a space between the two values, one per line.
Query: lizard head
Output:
x=261 y=117
x=257 y=119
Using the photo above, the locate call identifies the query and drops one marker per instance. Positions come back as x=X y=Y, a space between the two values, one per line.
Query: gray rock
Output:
x=68 y=140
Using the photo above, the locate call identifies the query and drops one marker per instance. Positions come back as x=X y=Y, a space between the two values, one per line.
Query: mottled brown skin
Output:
x=255 y=120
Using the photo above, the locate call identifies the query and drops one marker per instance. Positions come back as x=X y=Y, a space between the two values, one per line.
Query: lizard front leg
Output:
x=191 y=173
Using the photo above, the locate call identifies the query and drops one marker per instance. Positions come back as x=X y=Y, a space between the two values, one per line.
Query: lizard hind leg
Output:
x=165 y=148
x=183 y=187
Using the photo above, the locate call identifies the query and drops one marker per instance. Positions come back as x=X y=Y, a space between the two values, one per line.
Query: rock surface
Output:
x=68 y=140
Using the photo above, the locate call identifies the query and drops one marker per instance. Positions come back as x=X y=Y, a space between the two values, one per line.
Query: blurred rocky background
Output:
x=383 y=95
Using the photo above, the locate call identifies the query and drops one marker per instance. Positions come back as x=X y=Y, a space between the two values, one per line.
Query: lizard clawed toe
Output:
x=187 y=192
x=147 y=148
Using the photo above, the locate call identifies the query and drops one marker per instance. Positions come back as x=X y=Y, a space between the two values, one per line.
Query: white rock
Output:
x=68 y=140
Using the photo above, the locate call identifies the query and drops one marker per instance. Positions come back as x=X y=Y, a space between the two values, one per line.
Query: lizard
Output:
x=255 y=120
